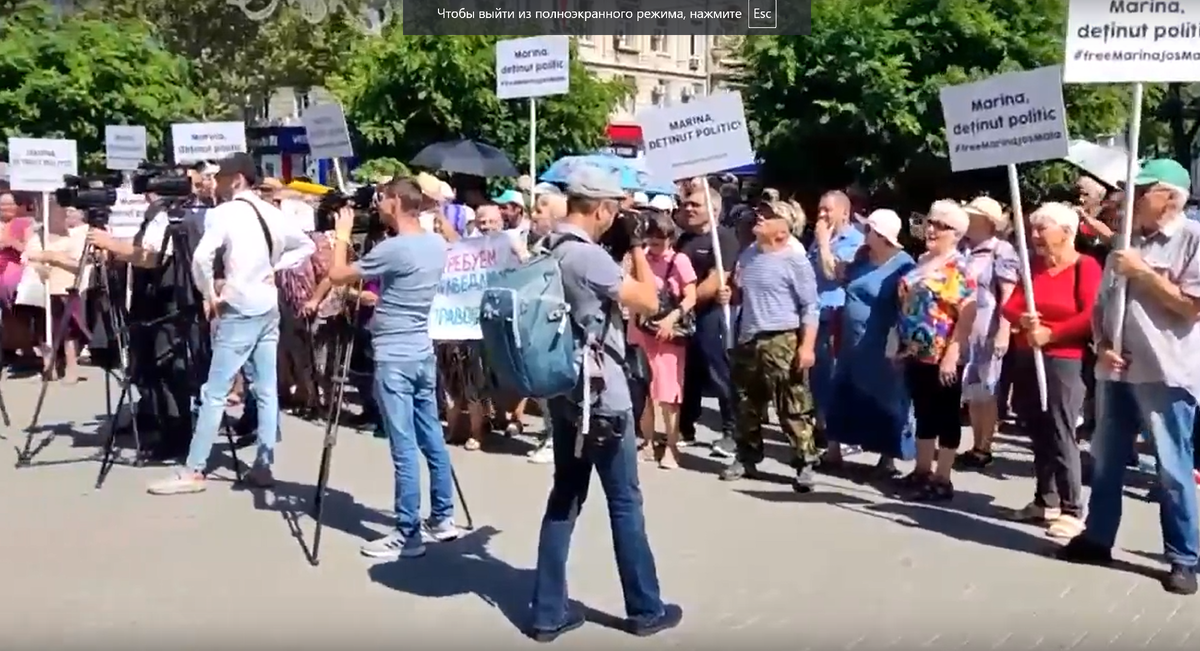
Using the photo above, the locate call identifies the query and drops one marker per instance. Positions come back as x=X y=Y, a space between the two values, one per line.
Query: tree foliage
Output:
x=69 y=76
x=858 y=99
x=239 y=61
x=404 y=92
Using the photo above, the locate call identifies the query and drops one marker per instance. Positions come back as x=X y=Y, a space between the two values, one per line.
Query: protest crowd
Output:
x=858 y=333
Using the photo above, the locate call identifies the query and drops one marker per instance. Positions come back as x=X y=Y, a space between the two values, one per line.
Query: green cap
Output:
x=1164 y=171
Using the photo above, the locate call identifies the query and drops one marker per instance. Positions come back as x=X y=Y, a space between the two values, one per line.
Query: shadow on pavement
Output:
x=341 y=512
x=822 y=495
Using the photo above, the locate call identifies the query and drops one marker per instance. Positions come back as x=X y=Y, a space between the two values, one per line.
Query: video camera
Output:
x=627 y=227
x=94 y=195
x=366 y=217
x=165 y=181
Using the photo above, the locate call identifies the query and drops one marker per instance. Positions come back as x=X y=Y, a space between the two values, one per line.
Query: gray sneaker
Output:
x=435 y=532
x=393 y=546
x=724 y=448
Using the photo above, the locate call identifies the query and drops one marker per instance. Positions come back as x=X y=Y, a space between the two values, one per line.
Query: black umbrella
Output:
x=466 y=157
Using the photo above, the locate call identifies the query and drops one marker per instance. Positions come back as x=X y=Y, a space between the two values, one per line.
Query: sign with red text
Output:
x=471 y=265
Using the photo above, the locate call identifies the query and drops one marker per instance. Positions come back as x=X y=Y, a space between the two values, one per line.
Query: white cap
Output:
x=886 y=224
x=662 y=202
x=640 y=199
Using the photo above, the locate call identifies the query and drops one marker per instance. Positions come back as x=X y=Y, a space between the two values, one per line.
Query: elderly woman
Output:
x=994 y=263
x=869 y=406
x=58 y=264
x=1065 y=284
x=937 y=314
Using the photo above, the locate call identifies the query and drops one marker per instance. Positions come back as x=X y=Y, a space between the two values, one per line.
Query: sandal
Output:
x=934 y=491
x=1065 y=527
x=974 y=459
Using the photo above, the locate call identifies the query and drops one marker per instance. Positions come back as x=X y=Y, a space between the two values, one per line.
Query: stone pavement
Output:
x=753 y=564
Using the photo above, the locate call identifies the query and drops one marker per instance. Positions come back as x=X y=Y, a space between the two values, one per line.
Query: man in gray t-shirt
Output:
x=596 y=289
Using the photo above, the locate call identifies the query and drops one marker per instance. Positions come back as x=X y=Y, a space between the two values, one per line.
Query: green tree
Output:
x=377 y=168
x=69 y=76
x=858 y=100
x=404 y=92
x=238 y=62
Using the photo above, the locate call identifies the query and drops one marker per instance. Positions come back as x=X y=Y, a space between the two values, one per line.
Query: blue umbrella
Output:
x=632 y=173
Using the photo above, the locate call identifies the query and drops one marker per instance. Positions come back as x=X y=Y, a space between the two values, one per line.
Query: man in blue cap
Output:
x=1150 y=379
x=597 y=289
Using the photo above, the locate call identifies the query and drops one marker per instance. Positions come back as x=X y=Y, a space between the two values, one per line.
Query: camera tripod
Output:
x=344 y=352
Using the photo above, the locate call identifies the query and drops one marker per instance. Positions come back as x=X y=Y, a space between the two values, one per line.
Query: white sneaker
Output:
x=435 y=532
x=543 y=455
x=393 y=546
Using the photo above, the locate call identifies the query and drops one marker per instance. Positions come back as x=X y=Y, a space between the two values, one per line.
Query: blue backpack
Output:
x=529 y=340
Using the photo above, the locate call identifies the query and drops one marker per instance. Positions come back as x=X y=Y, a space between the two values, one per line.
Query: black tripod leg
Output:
x=108 y=456
x=227 y=429
x=3 y=407
x=462 y=500
x=58 y=339
x=346 y=350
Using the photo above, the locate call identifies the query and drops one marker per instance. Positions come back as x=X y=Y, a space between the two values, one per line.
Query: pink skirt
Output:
x=666 y=369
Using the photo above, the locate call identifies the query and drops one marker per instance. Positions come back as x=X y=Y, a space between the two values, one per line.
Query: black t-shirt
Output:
x=698 y=248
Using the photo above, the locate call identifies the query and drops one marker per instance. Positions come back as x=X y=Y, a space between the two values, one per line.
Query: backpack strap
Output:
x=1075 y=290
x=266 y=231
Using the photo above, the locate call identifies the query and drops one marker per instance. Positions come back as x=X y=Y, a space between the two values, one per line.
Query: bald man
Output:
x=549 y=209
x=834 y=234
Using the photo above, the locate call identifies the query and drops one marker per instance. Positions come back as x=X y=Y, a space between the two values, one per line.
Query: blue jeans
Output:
x=406 y=393
x=616 y=464
x=1168 y=413
x=820 y=376
x=252 y=343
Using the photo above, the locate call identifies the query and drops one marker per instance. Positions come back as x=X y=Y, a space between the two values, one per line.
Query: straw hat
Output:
x=990 y=209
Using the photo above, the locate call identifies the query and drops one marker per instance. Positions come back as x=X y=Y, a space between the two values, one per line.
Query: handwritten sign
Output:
x=328 y=136
x=124 y=146
x=39 y=164
x=471 y=265
x=207 y=141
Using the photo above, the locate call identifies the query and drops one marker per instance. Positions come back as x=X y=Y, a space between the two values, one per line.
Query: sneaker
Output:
x=737 y=470
x=724 y=448
x=1036 y=513
x=182 y=482
x=393 y=546
x=671 y=616
x=1083 y=551
x=1180 y=580
x=259 y=477
x=544 y=454
x=574 y=620
x=805 y=480
x=1065 y=527
x=443 y=531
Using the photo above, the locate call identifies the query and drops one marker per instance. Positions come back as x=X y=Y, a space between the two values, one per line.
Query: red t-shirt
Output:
x=1064 y=300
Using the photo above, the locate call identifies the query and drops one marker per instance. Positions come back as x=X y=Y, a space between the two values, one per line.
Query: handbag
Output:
x=685 y=326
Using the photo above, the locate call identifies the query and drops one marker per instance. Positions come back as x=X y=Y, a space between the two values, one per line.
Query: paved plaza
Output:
x=753 y=565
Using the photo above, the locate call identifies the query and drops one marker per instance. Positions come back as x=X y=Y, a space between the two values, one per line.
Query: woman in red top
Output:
x=1065 y=284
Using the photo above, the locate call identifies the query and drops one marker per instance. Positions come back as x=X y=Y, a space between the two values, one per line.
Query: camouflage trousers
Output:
x=764 y=373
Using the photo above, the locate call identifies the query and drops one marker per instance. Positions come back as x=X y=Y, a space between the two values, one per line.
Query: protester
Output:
x=1151 y=382
x=707 y=364
x=997 y=269
x=775 y=287
x=58 y=265
x=660 y=338
x=593 y=282
x=870 y=404
x=836 y=242
x=937 y=313
x=460 y=366
x=15 y=232
x=550 y=210
x=1065 y=284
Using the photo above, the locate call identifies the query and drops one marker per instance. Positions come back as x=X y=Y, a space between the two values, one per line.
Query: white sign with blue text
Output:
x=471 y=265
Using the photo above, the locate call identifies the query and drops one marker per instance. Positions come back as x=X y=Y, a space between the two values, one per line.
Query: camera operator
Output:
x=409 y=266
x=596 y=289
x=158 y=312
x=258 y=240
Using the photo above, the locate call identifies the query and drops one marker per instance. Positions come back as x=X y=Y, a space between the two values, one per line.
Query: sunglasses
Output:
x=938 y=225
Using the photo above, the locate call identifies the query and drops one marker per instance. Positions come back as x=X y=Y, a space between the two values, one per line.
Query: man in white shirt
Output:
x=258 y=240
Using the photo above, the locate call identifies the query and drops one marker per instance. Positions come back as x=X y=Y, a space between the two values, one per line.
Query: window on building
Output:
x=631 y=100
x=579 y=27
x=662 y=93
x=658 y=38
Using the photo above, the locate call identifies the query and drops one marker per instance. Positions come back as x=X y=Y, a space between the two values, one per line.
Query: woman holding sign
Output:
x=1066 y=284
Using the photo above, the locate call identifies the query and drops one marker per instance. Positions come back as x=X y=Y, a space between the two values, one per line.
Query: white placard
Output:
x=1130 y=41
x=1014 y=118
x=328 y=137
x=471 y=264
x=39 y=164
x=533 y=67
x=124 y=146
x=127 y=214
x=701 y=137
x=207 y=141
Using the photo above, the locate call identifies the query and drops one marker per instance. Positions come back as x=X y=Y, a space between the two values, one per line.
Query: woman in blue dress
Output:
x=870 y=406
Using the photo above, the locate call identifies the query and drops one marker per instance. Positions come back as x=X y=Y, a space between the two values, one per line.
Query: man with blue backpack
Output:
x=553 y=329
